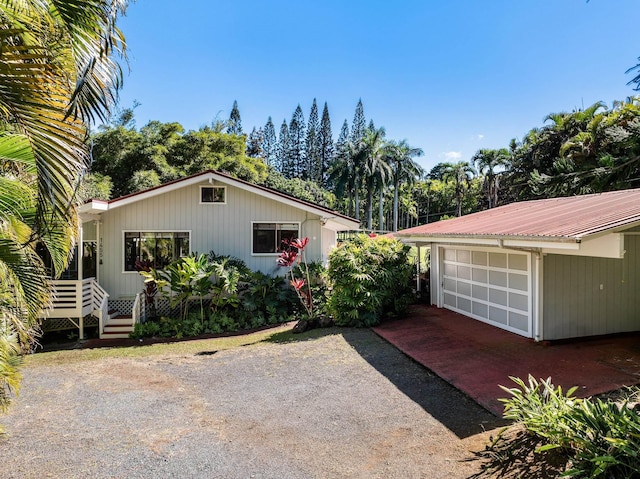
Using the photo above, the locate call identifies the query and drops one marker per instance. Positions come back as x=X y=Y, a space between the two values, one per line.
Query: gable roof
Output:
x=333 y=219
x=566 y=219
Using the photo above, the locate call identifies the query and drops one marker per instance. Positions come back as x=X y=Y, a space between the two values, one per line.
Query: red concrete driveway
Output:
x=476 y=357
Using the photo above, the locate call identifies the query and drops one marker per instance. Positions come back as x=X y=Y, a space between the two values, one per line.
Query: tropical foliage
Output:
x=59 y=73
x=591 y=438
x=368 y=279
x=214 y=294
x=135 y=159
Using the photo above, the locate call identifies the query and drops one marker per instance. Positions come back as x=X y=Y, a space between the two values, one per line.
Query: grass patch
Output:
x=181 y=348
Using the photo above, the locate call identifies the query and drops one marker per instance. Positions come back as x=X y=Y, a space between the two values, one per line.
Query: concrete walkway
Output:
x=476 y=358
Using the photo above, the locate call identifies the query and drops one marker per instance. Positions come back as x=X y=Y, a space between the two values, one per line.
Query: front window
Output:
x=268 y=237
x=157 y=249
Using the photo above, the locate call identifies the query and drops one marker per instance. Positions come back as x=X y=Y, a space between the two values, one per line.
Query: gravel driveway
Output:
x=343 y=403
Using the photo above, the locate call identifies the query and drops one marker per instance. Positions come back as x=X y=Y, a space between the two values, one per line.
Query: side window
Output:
x=267 y=237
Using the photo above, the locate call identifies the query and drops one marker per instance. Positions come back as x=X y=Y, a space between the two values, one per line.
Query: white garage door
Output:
x=494 y=287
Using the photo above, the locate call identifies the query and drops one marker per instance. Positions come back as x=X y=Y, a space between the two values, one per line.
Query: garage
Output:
x=548 y=269
x=490 y=285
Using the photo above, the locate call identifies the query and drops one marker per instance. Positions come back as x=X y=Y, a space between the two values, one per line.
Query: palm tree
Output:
x=375 y=170
x=404 y=170
x=57 y=74
x=487 y=161
x=461 y=174
x=344 y=175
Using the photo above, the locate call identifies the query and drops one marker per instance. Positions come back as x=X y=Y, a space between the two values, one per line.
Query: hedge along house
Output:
x=209 y=211
x=545 y=269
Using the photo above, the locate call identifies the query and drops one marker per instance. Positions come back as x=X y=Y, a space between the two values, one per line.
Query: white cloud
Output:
x=480 y=136
x=452 y=155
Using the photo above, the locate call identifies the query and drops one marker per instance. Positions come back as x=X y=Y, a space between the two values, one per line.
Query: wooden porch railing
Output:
x=76 y=299
x=136 y=309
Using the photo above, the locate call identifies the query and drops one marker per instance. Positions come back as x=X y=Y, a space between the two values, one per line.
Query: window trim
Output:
x=276 y=222
x=223 y=187
x=124 y=252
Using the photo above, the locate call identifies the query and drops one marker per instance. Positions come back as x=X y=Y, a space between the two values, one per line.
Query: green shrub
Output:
x=369 y=278
x=601 y=439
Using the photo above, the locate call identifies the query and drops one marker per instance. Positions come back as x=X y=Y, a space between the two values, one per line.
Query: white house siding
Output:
x=223 y=228
x=586 y=296
x=89 y=231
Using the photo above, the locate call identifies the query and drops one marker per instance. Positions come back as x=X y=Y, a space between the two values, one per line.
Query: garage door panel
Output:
x=518 y=321
x=450 y=285
x=464 y=304
x=479 y=258
x=480 y=309
x=463 y=256
x=498 y=315
x=519 y=301
x=519 y=262
x=518 y=281
x=480 y=275
x=498 y=260
x=450 y=300
x=464 y=272
x=464 y=288
x=480 y=292
x=498 y=278
x=498 y=296
x=489 y=286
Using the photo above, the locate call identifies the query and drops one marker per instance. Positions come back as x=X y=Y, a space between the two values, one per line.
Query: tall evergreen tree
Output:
x=343 y=140
x=325 y=147
x=342 y=175
x=283 y=162
x=297 y=133
x=372 y=126
x=270 y=143
x=254 y=143
x=312 y=153
x=235 y=124
x=359 y=124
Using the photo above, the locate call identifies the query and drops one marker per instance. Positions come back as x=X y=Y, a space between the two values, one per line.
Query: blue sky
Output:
x=450 y=76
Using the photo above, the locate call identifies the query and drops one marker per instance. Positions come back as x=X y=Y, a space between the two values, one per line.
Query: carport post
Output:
x=418 y=269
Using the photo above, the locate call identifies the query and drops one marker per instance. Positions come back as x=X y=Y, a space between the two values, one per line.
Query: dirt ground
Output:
x=344 y=403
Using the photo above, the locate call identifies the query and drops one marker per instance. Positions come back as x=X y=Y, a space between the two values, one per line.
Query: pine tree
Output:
x=325 y=147
x=235 y=124
x=297 y=143
x=283 y=162
x=342 y=172
x=312 y=153
x=342 y=145
x=254 y=143
x=372 y=126
x=359 y=123
x=270 y=143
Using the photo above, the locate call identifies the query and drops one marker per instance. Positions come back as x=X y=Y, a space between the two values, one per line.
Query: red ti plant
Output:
x=293 y=254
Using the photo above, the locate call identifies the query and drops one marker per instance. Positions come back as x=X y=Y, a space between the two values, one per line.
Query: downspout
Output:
x=540 y=303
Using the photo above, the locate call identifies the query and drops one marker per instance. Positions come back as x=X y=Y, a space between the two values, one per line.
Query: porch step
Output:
x=120 y=320
x=114 y=335
x=117 y=327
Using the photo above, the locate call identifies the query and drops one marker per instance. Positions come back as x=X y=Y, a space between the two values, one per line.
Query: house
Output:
x=209 y=211
x=544 y=269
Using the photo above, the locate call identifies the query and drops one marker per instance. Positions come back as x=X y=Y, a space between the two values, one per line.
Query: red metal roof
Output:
x=572 y=217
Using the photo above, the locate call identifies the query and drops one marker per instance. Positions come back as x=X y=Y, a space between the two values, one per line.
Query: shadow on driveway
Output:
x=449 y=406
